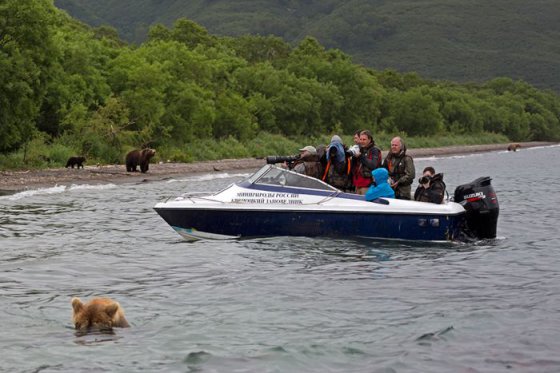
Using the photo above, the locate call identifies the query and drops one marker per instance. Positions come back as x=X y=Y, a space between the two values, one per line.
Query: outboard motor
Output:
x=480 y=201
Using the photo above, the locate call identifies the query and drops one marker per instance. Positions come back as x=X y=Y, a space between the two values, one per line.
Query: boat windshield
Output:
x=273 y=175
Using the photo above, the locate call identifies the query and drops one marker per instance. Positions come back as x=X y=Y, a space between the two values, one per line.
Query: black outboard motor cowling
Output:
x=480 y=201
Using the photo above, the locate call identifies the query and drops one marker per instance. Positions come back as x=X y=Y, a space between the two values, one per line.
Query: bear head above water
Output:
x=98 y=314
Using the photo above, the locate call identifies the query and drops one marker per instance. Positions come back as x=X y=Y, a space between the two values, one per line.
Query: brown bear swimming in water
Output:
x=98 y=314
x=75 y=161
x=513 y=147
x=140 y=158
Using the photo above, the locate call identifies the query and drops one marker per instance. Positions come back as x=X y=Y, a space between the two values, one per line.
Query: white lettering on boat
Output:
x=268 y=198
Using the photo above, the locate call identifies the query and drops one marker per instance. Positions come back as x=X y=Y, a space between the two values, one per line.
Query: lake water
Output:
x=282 y=304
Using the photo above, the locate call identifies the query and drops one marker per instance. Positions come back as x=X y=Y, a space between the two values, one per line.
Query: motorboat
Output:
x=275 y=201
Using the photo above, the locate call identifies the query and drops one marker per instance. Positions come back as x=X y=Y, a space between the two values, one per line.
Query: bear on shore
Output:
x=75 y=161
x=140 y=158
x=513 y=147
x=97 y=314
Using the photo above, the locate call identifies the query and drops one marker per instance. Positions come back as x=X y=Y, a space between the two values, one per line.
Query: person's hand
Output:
x=394 y=184
x=426 y=185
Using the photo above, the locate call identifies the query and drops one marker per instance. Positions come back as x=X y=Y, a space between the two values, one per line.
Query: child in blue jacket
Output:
x=380 y=187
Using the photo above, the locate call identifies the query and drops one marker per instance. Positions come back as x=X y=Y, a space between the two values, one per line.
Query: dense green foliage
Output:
x=458 y=40
x=69 y=89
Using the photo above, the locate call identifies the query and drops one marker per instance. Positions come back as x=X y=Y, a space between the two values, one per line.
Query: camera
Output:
x=272 y=159
x=353 y=150
x=425 y=179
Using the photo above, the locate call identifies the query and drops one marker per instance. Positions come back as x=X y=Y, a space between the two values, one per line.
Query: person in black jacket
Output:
x=365 y=159
x=431 y=188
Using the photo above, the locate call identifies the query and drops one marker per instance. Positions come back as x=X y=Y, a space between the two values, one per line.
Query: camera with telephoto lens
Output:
x=425 y=179
x=289 y=159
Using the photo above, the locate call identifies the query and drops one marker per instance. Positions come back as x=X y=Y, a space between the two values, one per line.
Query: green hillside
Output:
x=68 y=88
x=442 y=39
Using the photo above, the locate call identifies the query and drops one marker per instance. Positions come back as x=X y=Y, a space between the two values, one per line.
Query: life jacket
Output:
x=396 y=166
x=338 y=174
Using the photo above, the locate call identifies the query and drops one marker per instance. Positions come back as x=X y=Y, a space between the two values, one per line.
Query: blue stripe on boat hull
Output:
x=312 y=224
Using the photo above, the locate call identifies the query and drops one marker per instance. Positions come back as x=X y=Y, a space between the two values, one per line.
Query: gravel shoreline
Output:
x=13 y=181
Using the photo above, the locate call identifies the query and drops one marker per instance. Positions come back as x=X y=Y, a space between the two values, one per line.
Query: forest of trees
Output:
x=81 y=90
x=462 y=41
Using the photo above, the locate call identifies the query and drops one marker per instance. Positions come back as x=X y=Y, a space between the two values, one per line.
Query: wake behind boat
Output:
x=279 y=202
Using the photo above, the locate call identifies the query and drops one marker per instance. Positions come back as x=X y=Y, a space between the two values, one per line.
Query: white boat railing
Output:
x=329 y=197
x=190 y=196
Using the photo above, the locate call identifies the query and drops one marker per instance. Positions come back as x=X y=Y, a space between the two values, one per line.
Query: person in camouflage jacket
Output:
x=401 y=169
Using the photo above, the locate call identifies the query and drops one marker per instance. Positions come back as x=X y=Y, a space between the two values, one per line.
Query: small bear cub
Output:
x=98 y=314
x=513 y=147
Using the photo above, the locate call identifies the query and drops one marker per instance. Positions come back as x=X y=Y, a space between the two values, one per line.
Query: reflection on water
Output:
x=319 y=251
x=85 y=338
x=281 y=304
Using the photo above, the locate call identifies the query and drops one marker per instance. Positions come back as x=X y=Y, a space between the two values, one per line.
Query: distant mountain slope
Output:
x=444 y=39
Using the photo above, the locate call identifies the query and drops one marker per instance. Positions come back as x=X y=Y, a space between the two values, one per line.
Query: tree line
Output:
x=82 y=90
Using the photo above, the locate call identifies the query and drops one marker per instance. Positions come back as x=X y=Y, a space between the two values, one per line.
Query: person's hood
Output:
x=437 y=177
x=403 y=148
x=380 y=175
x=336 y=141
x=336 y=138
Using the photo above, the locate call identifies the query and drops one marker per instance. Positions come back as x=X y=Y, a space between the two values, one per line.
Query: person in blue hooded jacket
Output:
x=337 y=170
x=380 y=187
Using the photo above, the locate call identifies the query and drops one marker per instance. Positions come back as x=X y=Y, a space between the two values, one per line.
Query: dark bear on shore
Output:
x=75 y=161
x=513 y=147
x=139 y=158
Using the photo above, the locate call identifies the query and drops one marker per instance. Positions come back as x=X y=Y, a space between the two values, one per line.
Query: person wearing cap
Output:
x=308 y=162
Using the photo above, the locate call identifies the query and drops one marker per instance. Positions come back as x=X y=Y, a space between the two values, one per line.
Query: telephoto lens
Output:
x=272 y=159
